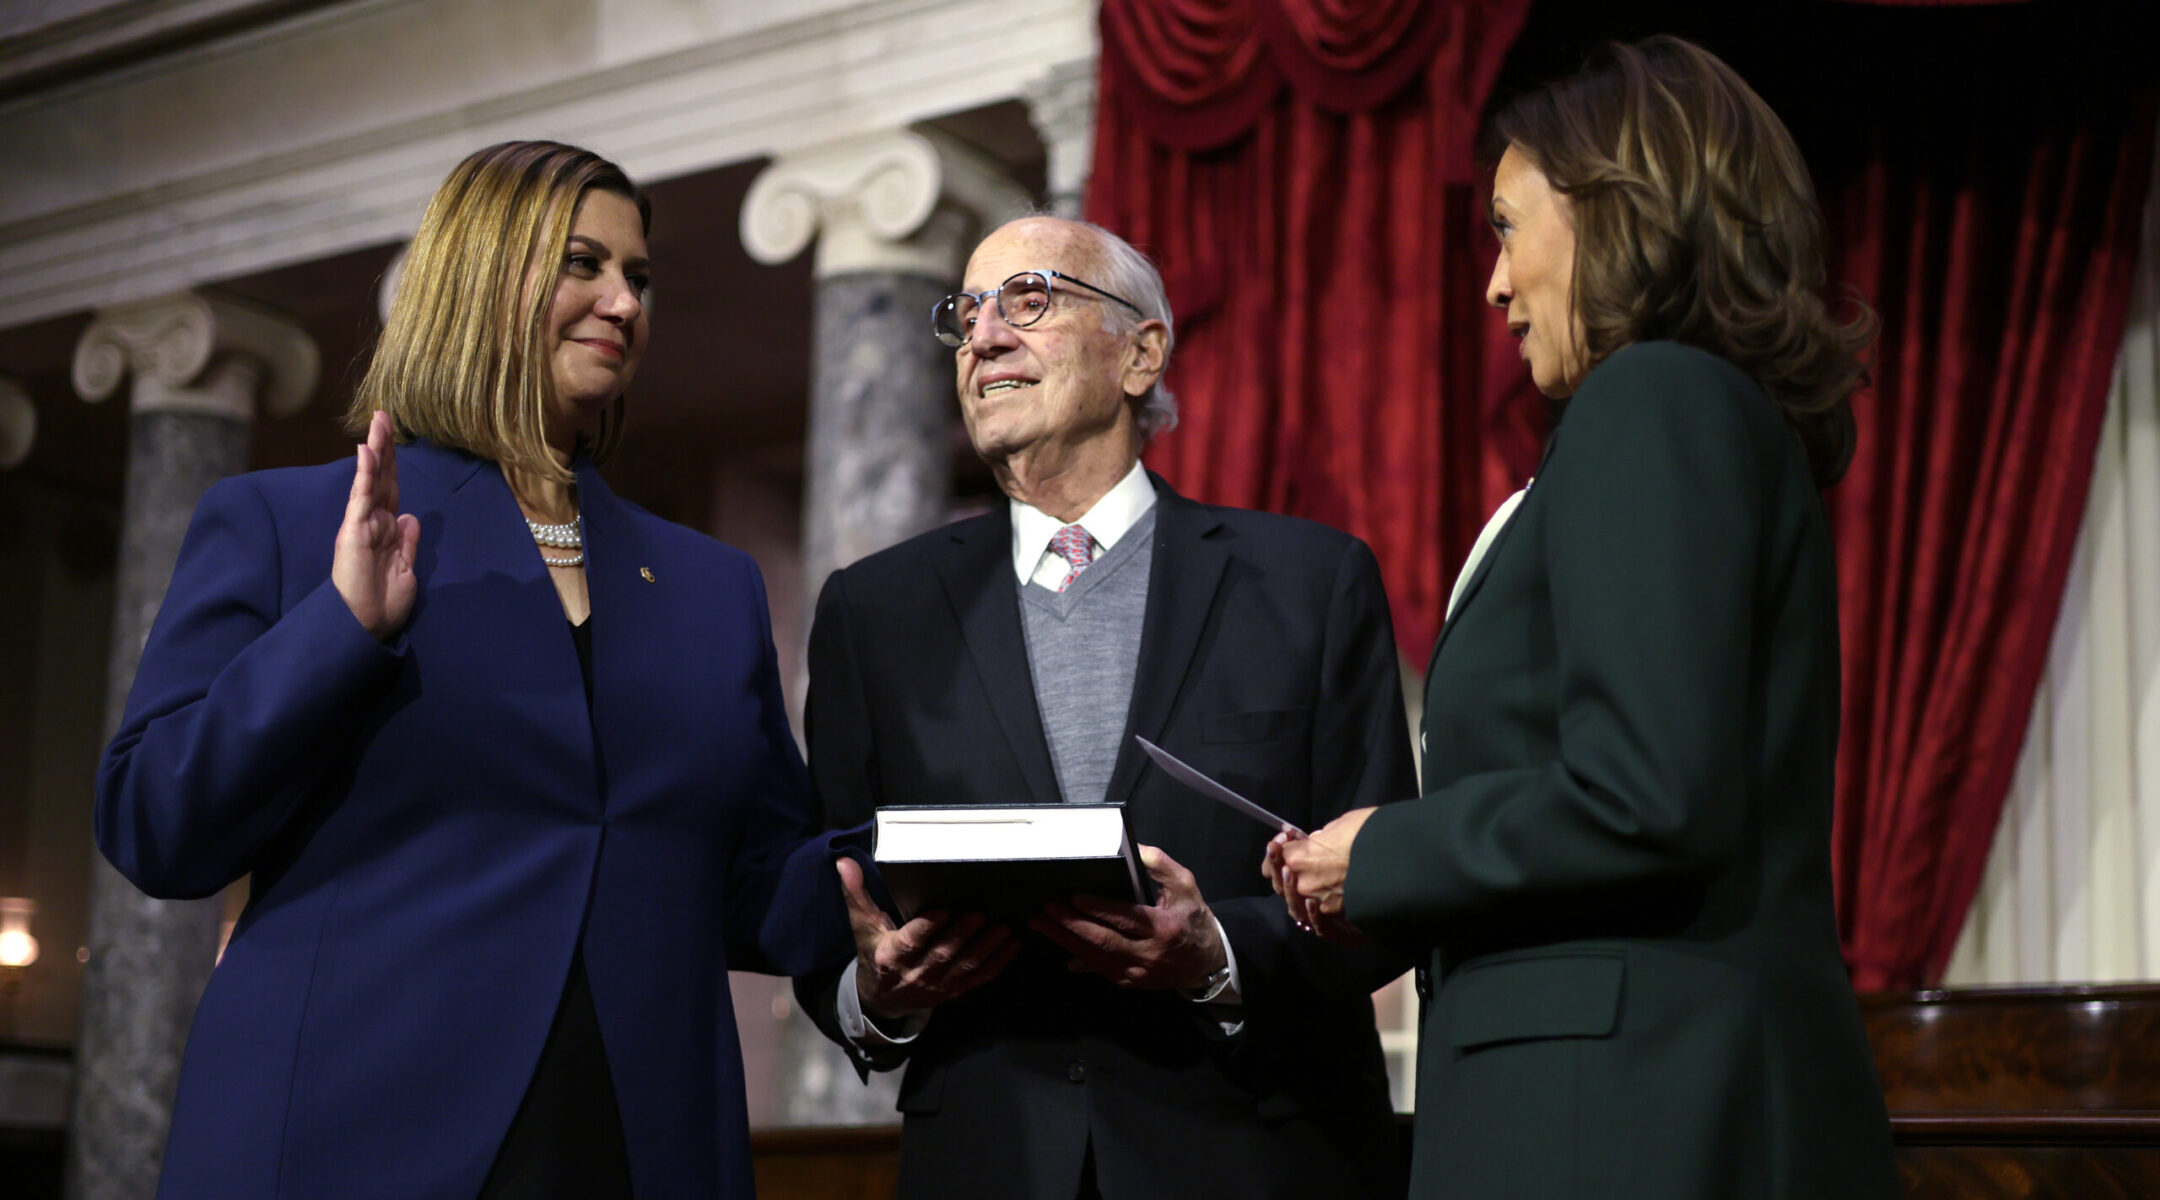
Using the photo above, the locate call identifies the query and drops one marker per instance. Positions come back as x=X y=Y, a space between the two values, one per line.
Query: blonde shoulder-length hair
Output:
x=462 y=358
x=1695 y=222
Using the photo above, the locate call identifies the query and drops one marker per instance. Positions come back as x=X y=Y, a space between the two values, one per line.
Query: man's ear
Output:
x=1147 y=351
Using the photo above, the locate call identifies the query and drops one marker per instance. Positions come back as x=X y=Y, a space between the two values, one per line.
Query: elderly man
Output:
x=1198 y=1046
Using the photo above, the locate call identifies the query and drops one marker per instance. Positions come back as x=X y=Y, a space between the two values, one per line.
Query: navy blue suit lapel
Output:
x=477 y=557
x=976 y=570
x=480 y=532
x=622 y=609
x=1184 y=576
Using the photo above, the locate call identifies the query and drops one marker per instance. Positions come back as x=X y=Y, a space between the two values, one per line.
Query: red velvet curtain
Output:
x=1303 y=170
x=1999 y=255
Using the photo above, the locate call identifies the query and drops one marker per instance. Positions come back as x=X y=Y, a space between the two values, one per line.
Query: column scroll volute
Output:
x=902 y=200
x=198 y=351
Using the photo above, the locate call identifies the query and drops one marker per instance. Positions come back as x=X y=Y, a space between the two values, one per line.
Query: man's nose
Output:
x=991 y=331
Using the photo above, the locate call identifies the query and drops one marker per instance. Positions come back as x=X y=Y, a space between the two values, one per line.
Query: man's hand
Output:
x=923 y=963
x=372 y=564
x=1172 y=943
x=1308 y=873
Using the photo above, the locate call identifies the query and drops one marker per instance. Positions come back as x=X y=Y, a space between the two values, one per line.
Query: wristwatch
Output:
x=1212 y=986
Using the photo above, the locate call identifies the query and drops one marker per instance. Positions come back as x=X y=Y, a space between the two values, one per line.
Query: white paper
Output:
x=1211 y=789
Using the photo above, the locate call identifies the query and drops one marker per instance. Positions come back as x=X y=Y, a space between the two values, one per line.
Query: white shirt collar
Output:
x=1111 y=518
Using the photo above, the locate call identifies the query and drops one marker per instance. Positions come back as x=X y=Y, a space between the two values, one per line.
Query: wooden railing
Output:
x=823 y=1164
x=2034 y=1093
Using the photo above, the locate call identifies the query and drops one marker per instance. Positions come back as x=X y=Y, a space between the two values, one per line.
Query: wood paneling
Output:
x=859 y=1163
x=2035 y=1093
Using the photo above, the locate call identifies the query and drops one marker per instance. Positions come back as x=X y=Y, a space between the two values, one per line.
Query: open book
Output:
x=1007 y=862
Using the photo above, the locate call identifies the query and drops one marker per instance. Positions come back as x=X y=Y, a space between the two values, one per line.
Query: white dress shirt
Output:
x=1111 y=519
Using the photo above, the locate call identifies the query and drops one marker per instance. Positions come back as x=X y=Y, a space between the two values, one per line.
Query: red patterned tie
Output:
x=1073 y=544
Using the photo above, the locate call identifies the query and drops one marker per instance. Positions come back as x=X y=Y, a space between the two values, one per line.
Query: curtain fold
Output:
x=1999 y=259
x=2071 y=891
x=1326 y=261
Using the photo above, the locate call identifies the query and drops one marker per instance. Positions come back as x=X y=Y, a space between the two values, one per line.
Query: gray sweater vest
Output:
x=1083 y=645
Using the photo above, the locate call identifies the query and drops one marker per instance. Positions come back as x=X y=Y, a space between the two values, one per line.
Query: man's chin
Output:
x=994 y=444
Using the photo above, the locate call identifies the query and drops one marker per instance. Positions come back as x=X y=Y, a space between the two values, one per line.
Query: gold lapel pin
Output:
x=646 y=572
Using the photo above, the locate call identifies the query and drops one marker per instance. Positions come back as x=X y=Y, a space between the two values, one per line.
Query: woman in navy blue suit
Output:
x=504 y=757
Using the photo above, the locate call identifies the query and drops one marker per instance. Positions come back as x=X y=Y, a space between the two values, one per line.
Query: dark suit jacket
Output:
x=1267 y=660
x=430 y=823
x=1621 y=866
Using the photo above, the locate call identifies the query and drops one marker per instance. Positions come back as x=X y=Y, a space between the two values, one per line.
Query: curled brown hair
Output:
x=462 y=359
x=1695 y=222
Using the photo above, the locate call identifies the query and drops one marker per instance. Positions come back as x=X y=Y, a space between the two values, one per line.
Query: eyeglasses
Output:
x=1022 y=300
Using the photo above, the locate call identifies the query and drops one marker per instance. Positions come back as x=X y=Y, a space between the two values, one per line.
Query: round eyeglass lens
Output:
x=952 y=319
x=1024 y=299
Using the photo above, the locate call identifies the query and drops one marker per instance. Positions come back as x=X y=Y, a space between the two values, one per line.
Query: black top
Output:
x=567 y=1138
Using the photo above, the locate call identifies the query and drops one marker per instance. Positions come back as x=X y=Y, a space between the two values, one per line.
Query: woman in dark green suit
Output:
x=1620 y=867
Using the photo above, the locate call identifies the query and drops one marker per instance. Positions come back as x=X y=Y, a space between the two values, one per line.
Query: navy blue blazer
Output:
x=429 y=823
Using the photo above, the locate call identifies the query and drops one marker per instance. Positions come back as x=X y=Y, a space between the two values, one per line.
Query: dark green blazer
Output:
x=1620 y=865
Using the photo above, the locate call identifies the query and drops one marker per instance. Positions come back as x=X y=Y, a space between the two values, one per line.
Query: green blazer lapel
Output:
x=1184 y=576
x=975 y=567
x=1477 y=581
x=1485 y=564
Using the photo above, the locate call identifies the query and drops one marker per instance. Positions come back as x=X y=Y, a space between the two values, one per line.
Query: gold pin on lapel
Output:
x=646 y=572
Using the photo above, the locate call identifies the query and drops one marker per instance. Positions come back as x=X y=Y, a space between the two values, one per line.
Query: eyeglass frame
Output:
x=983 y=298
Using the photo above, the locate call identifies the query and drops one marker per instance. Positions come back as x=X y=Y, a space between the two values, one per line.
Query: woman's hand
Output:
x=1308 y=873
x=372 y=567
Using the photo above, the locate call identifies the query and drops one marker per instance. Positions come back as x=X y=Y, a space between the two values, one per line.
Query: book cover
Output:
x=1006 y=862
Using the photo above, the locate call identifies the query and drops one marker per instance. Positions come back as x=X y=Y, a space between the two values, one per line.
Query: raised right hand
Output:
x=372 y=567
x=923 y=963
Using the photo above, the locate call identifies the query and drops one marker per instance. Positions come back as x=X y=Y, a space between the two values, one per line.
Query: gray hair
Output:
x=1128 y=273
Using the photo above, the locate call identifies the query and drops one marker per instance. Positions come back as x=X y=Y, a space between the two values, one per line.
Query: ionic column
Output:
x=1061 y=106
x=894 y=215
x=198 y=363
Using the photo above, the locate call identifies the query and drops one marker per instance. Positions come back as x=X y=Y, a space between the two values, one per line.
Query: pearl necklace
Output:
x=570 y=536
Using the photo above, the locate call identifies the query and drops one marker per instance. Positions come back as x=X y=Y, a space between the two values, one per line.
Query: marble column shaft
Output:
x=879 y=471
x=892 y=214
x=149 y=959
x=200 y=364
x=881 y=418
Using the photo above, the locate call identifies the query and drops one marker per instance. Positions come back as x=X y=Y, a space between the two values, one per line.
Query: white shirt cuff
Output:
x=862 y=1030
x=1228 y=1001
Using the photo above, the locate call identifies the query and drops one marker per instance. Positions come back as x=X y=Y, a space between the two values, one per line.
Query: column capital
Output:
x=902 y=200
x=197 y=352
x=18 y=424
x=1061 y=106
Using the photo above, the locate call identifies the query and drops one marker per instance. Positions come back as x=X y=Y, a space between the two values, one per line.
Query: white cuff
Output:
x=864 y=1031
x=1227 y=999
